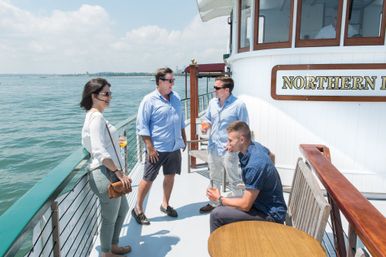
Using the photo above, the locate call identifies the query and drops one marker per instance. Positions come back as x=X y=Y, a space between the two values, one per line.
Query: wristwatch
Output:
x=220 y=201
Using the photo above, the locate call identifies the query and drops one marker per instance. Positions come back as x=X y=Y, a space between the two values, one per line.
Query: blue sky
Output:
x=172 y=14
x=69 y=36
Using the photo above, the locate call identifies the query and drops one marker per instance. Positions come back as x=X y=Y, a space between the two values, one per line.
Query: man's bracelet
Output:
x=116 y=170
x=220 y=201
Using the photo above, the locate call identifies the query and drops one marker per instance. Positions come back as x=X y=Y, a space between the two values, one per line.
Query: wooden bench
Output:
x=201 y=153
x=308 y=210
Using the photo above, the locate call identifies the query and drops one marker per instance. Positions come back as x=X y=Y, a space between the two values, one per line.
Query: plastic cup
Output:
x=204 y=127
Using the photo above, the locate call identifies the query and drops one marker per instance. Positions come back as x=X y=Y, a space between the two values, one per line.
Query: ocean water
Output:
x=41 y=121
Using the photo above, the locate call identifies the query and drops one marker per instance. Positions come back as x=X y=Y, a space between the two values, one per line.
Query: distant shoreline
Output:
x=101 y=74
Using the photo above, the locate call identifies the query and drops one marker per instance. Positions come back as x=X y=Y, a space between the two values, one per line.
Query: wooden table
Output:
x=260 y=238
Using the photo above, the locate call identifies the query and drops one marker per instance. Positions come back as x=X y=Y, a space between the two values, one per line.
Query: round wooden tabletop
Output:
x=260 y=238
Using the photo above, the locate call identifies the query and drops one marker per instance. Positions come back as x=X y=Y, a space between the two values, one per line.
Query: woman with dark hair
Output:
x=99 y=137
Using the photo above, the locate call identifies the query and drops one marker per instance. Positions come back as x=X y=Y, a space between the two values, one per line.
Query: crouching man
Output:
x=263 y=195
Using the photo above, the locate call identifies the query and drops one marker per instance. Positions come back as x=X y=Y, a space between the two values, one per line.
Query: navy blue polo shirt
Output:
x=258 y=172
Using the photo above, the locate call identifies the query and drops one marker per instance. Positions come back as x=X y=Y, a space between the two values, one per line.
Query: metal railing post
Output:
x=55 y=228
x=352 y=242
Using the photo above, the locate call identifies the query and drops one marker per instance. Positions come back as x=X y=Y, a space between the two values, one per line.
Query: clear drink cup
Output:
x=211 y=187
x=204 y=127
x=211 y=184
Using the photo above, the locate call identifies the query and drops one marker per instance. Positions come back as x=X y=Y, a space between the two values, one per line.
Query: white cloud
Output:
x=84 y=40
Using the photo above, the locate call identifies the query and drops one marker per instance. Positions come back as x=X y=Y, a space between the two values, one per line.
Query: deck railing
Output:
x=203 y=101
x=60 y=216
x=364 y=220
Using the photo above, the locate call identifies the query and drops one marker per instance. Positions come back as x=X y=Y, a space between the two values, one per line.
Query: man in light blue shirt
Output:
x=161 y=124
x=224 y=109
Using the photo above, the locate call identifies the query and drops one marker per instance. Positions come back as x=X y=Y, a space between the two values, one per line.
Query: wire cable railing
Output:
x=60 y=211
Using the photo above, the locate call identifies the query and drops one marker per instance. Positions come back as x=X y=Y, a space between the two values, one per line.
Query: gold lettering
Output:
x=357 y=82
x=345 y=84
x=383 y=83
x=299 y=82
x=287 y=82
x=310 y=82
x=370 y=82
x=322 y=80
x=332 y=83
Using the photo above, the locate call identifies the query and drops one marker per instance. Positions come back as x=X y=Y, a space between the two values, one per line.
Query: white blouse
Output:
x=96 y=140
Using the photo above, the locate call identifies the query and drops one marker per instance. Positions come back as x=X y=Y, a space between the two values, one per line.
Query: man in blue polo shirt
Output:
x=161 y=124
x=263 y=195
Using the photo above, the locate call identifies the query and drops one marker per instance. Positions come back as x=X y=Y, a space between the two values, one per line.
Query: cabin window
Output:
x=244 y=25
x=319 y=22
x=365 y=22
x=273 y=19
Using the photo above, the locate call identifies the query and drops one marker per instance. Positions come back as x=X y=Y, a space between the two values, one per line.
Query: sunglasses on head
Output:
x=169 y=80
x=106 y=93
x=218 y=88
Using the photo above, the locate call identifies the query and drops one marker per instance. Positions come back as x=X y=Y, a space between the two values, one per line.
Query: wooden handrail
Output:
x=369 y=224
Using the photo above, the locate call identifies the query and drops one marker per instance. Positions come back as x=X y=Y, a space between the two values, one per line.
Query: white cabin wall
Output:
x=354 y=131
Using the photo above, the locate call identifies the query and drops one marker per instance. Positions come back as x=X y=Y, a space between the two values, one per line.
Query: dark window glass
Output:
x=365 y=18
x=245 y=23
x=274 y=21
x=319 y=19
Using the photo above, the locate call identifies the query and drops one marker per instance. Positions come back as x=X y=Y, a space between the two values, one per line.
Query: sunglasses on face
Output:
x=106 y=93
x=218 y=88
x=169 y=80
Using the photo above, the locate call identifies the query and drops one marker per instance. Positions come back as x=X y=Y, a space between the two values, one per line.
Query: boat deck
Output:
x=186 y=235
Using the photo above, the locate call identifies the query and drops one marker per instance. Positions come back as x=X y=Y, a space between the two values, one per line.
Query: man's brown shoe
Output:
x=206 y=209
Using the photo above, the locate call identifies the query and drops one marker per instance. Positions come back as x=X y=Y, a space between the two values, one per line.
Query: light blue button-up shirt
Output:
x=220 y=118
x=162 y=120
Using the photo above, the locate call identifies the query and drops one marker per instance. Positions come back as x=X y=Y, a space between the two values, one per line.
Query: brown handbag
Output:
x=116 y=189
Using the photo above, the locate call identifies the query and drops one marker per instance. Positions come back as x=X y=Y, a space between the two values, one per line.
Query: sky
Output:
x=69 y=36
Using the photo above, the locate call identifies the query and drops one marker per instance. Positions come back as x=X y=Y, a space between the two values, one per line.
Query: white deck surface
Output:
x=186 y=235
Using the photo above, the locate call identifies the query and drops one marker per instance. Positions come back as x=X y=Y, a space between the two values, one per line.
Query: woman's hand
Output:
x=125 y=179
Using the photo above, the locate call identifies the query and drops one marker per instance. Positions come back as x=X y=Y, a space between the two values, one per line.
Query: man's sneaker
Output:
x=140 y=218
x=207 y=208
x=169 y=211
